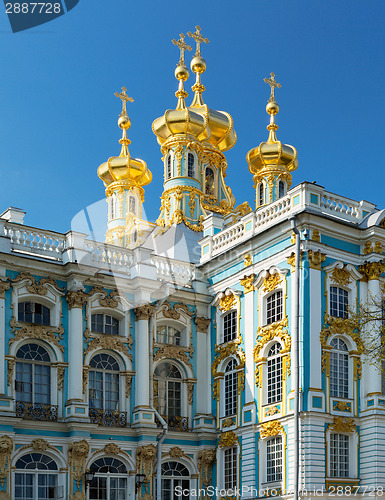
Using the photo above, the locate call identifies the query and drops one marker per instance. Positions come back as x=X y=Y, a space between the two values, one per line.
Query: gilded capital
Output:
x=143 y=312
x=343 y=424
x=76 y=299
x=272 y=428
x=247 y=283
x=228 y=438
x=227 y=302
x=202 y=324
x=6 y=447
x=316 y=259
x=372 y=270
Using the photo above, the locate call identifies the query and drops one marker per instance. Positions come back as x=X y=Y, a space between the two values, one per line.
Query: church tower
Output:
x=124 y=178
x=272 y=162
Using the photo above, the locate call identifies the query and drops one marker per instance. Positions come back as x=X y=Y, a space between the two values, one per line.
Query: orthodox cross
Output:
x=124 y=97
x=198 y=38
x=182 y=45
x=273 y=85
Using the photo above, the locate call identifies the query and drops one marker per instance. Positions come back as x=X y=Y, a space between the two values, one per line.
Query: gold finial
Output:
x=273 y=85
x=198 y=38
x=125 y=99
x=182 y=45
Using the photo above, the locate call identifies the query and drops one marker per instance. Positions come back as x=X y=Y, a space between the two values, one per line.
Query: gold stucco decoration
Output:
x=172 y=311
x=111 y=299
x=316 y=259
x=60 y=377
x=343 y=424
x=112 y=449
x=49 y=334
x=228 y=438
x=342 y=406
x=378 y=247
x=368 y=248
x=176 y=452
x=341 y=326
x=273 y=410
x=77 y=456
x=38 y=444
x=10 y=369
x=269 y=429
x=315 y=235
x=247 y=283
x=227 y=302
x=202 y=324
x=224 y=351
x=190 y=392
x=36 y=287
x=206 y=459
x=340 y=277
x=172 y=352
x=76 y=299
x=271 y=282
x=267 y=333
x=4 y=286
x=228 y=422
x=248 y=261
x=6 y=447
x=110 y=343
x=144 y=312
x=145 y=457
x=372 y=270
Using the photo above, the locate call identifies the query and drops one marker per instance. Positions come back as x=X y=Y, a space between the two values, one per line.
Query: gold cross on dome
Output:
x=198 y=38
x=273 y=85
x=182 y=45
x=124 y=97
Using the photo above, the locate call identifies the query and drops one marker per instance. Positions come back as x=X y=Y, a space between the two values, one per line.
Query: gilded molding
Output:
x=378 y=248
x=341 y=326
x=368 y=248
x=267 y=333
x=172 y=352
x=227 y=302
x=340 y=277
x=6 y=448
x=76 y=299
x=272 y=410
x=226 y=350
x=291 y=260
x=271 y=282
x=86 y=369
x=46 y=333
x=10 y=369
x=111 y=299
x=342 y=406
x=38 y=444
x=216 y=390
x=144 y=312
x=372 y=270
x=60 y=377
x=77 y=456
x=4 y=286
x=315 y=236
x=206 y=459
x=112 y=449
x=110 y=343
x=175 y=452
x=342 y=424
x=316 y=259
x=128 y=378
x=228 y=422
x=228 y=438
x=248 y=261
x=36 y=287
x=171 y=311
x=202 y=324
x=145 y=457
x=272 y=428
x=248 y=283
x=190 y=392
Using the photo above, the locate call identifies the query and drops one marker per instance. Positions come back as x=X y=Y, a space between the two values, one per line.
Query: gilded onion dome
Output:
x=221 y=133
x=182 y=120
x=124 y=169
x=272 y=162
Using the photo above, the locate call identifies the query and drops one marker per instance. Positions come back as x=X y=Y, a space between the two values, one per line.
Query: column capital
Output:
x=248 y=283
x=372 y=270
x=144 y=312
x=202 y=324
x=315 y=259
x=76 y=299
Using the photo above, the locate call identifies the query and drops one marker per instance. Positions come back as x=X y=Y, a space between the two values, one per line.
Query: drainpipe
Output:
x=295 y=337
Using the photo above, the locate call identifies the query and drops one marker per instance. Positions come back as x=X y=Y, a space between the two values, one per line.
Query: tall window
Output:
x=231 y=385
x=174 y=474
x=260 y=194
x=104 y=382
x=166 y=334
x=190 y=165
x=168 y=167
x=132 y=205
x=274 y=307
x=32 y=312
x=33 y=375
x=281 y=189
x=209 y=181
x=339 y=455
x=231 y=469
x=110 y=480
x=274 y=374
x=103 y=323
x=36 y=477
x=338 y=302
x=168 y=390
x=230 y=326
x=274 y=459
x=339 y=369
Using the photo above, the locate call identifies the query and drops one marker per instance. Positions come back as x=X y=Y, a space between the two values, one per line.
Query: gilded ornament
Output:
x=248 y=283
x=316 y=259
x=258 y=376
x=241 y=381
x=228 y=422
x=206 y=459
x=272 y=428
x=340 y=277
x=46 y=333
x=291 y=260
x=226 y=350
x=145 y=457
x=6 y=448
x=110 y=343
x=248 y=261
x=4 y=495
x=271 y=282
x=112 y=449
x=227 y=302
x=372 y=270
x=190 y=392
x=10 y=369
x=343 y=424
x=78 y=495
x=273 y=410
x=179 y=156
x=325 y=363
x=202 y=324
x=228 y=438
x=60 y=377
x=76 y=299
x=4 y=286
x=172 y=352
x=144 y=312
x=38 y=444
x=216 y=391
x=108 y=299
x=342 y=406
x=86 y=369
x=368 y=248
x=315 y=235
x=77 y=456
x=192 y=204
x=267 y=333
x=176 y=452
x=341 y=326
x=128 y=384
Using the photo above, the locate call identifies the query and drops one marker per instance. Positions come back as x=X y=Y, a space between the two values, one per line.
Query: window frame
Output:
x=233 y=326
x=230 y=383
x=105 y=315
x=170 y=380
x=35 y=473
x=275 y=386
x=277 y=475
x=344 y=310
x=33 y=313
x=104 y=372
x=33 y=363
x=191 y=170
x=230 y=464
x=277 y=315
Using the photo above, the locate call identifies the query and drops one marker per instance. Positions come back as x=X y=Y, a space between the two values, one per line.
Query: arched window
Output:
x=231 y=386
x=104 y=323
x=274 y=307
x=36 y=477
x=281 y=189
x=339 y=455
x=339 y=369
x=338 y=302
x=274 y=459
x=209 y=181
x=190 y=165
x=132 y=205
x=104 y=382
x=260 y=194
x=32 y=312
x=168 y=390
x=229 y=326
x=110 y=480
x=274 y=374
x=174 y=474
x=33 y=375
x=166 y=334
x=168 y=167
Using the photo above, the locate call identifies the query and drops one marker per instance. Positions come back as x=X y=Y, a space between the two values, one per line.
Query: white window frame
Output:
x=232 y=377
x=269 y=441
x=184 y=410
x=263 y=295
x=221 y=465
x=353 y=455
x=194 y=165
x=262 y=450
x=276 y=357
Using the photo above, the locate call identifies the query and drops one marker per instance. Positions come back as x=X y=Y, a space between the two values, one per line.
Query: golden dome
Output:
x=180 y=121
x=221 y=133
x=272 y=155
x=123 y=168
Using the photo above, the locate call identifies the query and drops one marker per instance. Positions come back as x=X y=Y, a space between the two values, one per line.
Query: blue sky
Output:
x=58 y=112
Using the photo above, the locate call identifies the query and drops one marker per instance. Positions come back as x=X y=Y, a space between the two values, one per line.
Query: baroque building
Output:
x=211 y=349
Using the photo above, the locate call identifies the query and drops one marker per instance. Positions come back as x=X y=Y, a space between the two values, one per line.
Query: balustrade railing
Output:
x=108 y=418
x=36 y=411
x=176 y=423
x=103 y=253
x=173 y=270
x=29 y=239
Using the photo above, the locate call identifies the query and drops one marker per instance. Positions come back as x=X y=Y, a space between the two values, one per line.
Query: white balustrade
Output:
x=36 y=241
x=109 y=255
x=173 y=270
x=343 y=208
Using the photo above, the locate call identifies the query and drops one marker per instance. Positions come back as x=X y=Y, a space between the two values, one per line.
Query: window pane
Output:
x=230 y=326
x=274 y=459
x=339 y=455
x=274 y=307
x=274 y=375
x=230 y=468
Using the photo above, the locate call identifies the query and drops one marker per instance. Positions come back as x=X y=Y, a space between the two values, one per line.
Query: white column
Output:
x=248 y=315
x=3 y=286
x=203 y=392
x=315 y=300
x=76 y=301
x=373 y=374
x=142 y=360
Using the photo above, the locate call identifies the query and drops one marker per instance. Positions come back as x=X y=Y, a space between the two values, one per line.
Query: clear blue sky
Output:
x=58 y=112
